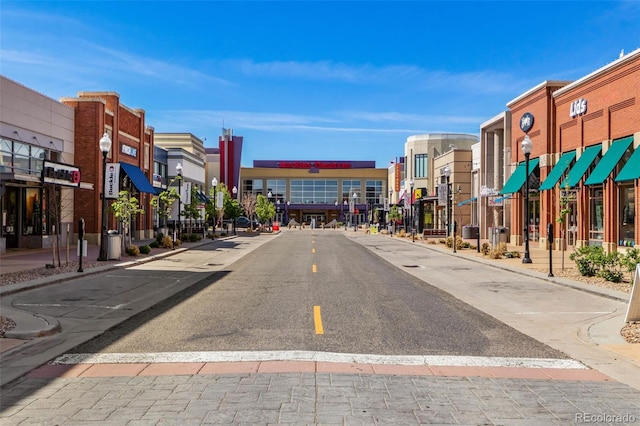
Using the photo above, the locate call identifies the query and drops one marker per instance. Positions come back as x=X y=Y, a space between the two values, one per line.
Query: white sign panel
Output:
x=633 y=311
x=112 y=181
x=219 y=200
x=442 y=194
x=185 y=197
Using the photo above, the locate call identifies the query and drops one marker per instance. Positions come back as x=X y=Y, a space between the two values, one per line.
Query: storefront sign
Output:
x=578 y=107
x=526 y=122
x=60 y=174
x=313 y=165
x=129 y=150
x=112 y=181
x=397 y=175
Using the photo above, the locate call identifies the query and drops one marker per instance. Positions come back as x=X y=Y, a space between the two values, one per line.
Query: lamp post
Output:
x=214 y=184
x=105 y=147
x=411 y=221
x=179 y=174
x=343 y=215
x=447 y=175
x=234 y=191
x=527 y=147
x=355 y=216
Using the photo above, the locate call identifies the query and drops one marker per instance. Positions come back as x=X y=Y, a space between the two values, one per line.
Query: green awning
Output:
x=580 y=168
x=558 y=170
x=631 y=170
x=609 y=161
x=518 y=177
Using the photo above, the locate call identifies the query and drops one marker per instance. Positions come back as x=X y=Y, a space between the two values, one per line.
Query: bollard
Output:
x=550 y=243
x=455 y=229
x=80 y=243
x=478 y=240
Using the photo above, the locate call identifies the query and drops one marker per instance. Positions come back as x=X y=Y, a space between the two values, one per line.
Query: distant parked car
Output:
x=244 y=222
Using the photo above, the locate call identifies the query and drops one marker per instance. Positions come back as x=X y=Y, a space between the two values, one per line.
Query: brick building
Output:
x=586 y=153
x=97 y=113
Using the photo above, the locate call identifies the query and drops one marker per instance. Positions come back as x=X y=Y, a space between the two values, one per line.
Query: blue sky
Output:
x=311 y=80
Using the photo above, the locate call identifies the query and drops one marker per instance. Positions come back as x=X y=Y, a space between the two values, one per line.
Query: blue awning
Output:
x=470 y=200
x=501 y=199
x=556 y=173
x=138 y=179
x=609 y=161
x=519 y=177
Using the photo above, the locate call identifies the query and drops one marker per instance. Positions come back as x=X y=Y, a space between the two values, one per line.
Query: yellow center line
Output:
x=313 y=250
x=314 y=268
x=317 y=318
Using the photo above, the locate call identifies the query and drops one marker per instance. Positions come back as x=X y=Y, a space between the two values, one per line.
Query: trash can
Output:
x=113 y=246
x=470 y=232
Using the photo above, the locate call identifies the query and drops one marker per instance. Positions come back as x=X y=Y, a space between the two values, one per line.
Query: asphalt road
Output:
x=317 y=291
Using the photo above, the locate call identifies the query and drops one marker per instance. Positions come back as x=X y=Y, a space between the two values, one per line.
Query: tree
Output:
x=191 y=210
x=123 y=208
x=163 y=203
x=265 y=209
x=249 y=205
x=394 y=215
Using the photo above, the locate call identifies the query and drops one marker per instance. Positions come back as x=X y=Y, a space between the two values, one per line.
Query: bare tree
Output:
x=249 y=202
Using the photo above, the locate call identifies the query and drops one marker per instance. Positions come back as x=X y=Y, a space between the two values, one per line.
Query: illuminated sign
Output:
x=60 y=174
x=129 y=150
x=313 y=165
x=578 y=107
x=526 y=122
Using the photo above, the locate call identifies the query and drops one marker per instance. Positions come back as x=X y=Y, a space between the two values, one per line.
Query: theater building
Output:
x=319 y=191
x=585 y=158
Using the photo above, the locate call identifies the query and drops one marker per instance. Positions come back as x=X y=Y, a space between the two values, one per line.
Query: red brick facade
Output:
x=132 y=143
x=607 y=104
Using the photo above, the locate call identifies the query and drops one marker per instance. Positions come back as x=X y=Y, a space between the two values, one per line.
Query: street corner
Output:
x=30 y=326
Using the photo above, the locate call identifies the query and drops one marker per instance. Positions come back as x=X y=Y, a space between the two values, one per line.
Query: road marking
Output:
x=60 y=305
x=317 y=319
x=313 y=250
x=560 y=313
x=314 y=268
x=240 y=356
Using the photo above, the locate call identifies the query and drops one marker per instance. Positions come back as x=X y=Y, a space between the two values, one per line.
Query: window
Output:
x=277 y=188
x=374 y=192
x=252 y=186
x=307 y=191
x=420 y=166
x=32 y=212
x=626 y=224
x=348 y=188
x=596 y=216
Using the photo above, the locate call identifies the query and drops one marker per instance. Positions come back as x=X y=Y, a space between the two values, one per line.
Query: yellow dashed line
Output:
x=313 y=250
x=314 y=268
x=317 y=318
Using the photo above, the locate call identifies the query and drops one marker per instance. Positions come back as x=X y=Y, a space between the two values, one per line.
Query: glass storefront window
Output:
x=348 y=188
x=277 y=188
x=626 y=223
x=596 y=216
x=252 y=186
x=374 y=192
x=314 y=191
x=32 y=212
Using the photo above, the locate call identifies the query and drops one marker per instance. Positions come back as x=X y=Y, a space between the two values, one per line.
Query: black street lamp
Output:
x=447 y=175
x=234 y=191
x=527 y=147
x=105 y=147
x=355 y=216
x=411 y=220
x=179 y=174
x=214 y=184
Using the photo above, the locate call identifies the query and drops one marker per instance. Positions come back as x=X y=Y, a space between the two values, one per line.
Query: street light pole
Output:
x=411 y=220
x=355 y=216
x=105 y=147
x=235 y=194
x=527 y=147
x=447 y=174
x=214 y=184
x=179 y=174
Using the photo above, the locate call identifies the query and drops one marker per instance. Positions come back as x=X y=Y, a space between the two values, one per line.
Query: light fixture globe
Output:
x=447 y=171
x=179 y=169
x=105 y=143
x=527 y=145
x=214 y=182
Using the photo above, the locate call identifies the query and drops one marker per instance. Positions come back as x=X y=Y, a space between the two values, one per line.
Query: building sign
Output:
x=157 y=180
x=60 y=174
x=442 y=194
x=314 y=165
x=396 y=174
x=578 y=107
x=112 y=181
x=129 y=150
x=526 y=122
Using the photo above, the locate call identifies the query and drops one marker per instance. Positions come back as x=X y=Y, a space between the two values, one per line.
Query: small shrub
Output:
x=159 y=237
x=486 y=247
x=401 y=233
x=154 y=244
x=133 y=250
x=194 y=237
x=442 y=241
x=166 y=242
x=588 y=259
x=631 y=259
x=431 y=241
x=449 y=242
x=495 y=254
x=146 y=249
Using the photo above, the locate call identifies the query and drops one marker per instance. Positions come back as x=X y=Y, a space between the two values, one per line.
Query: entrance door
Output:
x=11 y=223
x=534 y=219
x=319 y=218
